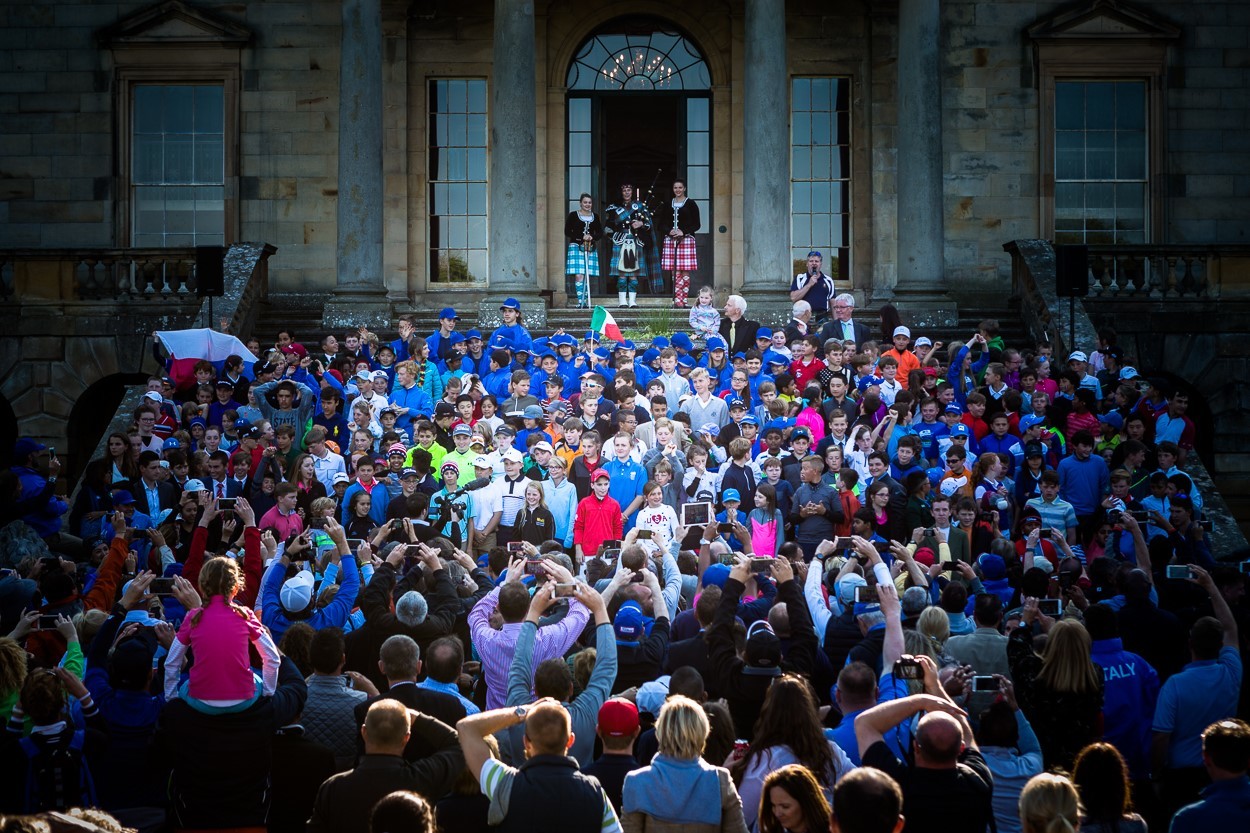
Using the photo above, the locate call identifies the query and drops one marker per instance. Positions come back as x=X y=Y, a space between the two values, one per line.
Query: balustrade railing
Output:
x=97 y=274
x=1159 y=272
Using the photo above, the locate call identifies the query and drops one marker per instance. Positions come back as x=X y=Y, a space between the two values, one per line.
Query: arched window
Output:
x=643 y=61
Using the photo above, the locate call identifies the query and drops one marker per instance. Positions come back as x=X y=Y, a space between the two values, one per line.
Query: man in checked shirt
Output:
x=512 y=599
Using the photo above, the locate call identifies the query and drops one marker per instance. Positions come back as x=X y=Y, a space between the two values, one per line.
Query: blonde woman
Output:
x=680 y=790
x=1049 y=804
x=1060 y=692
x=534 y=523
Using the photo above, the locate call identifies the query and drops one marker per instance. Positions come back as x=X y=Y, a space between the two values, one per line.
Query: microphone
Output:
x=474 y=485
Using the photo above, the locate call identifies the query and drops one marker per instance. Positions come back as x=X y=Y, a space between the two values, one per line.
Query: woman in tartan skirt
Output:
x=679 y=220
x=582 y=230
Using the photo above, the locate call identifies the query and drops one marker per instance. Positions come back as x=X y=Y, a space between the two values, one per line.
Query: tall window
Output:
x=581 y=173
x=820 y=173
x=1101 y=161
x=699 y=148
x=458 y=174
x=178 y=165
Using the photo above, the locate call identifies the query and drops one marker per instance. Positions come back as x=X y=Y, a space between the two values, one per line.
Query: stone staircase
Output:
x=651 y=316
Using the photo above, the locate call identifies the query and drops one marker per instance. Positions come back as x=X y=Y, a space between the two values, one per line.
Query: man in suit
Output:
x=400 y=662
x=842 y=326
x=153 y=495
x=220 y=485
x=738 y=332
x=801 y=324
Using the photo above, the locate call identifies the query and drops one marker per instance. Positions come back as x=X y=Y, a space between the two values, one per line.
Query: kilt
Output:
x=614 y=271
x=575 y=262
x=679 y=256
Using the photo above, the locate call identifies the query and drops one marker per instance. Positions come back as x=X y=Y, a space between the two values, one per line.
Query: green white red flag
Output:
x=603 y=323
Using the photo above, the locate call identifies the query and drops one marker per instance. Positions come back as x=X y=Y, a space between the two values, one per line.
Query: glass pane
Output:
x=697 y=149
x=820 y=128
x=440 y=131
x=147 y=162
x=209 y=110
x=477 y=131
x=579 y=114
x=477 y=164
x=149 y=210
x=457 y=199
x=457 y=133
x=801 y=131
x=700 y=188
x=1099 y=105
x=457 y=96
x=801 y=98
x=478 y=265
x=478 y=231
x=842 y=128
x=209 y=161
x=841 y=229
x=148 y=105
x=579 y=183
x=820 y=231
x=1069 y=204
x=801 y=229
x=179 y=106
x=820 y=162
x=457 y=163
x=839 y=196
x=801 y=197
x=458 y=232
x=801 y=163
x=179 y=211
x=1100 y=154
x=1099 y=207
x=579 y=149
x=697 y=114
x=477 y=198
x=840 y=159
x=1130 y=206
x=821 y=98
x=178 y=158
x=820 y=196
x=440 y=201
x=1130 y=105
x=477 y=96
x=1069 y=105
x=1130 y=156
x=1069 y=155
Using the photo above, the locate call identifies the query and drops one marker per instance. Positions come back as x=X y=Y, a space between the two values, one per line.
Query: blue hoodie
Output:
x=1130 y=690
x=674 y=790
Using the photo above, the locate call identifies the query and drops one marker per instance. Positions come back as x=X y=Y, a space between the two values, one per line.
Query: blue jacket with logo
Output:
x=1130 y=689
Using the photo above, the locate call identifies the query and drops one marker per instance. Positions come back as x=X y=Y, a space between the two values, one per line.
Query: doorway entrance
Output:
x=639 y=109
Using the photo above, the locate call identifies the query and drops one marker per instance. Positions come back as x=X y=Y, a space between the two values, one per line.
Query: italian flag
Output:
x=603 y=323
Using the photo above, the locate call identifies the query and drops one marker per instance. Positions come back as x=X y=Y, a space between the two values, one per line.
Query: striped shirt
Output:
x=1058 y=515
x=495 y=647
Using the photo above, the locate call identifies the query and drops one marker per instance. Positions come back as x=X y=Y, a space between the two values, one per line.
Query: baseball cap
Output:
x=543 y=445
x=340 y=478
x=960 y=430
x=473 y=334
x=953 y=484
x=736 y=403
x=800 y=432
x=1127 y=373
x=510 y=303
x=172 y=442
x=618 y=718
x=954 y=409
x=1034 y=449
x=481 y=461
x=193 y=485
x=408 y=473
x=992 y=566
x=685 y=360
x=477 y=441
x=715 y=575
x=682 y=341
x=297 y=591
x=1029 y=420
x=923 y=341
x=1078 y=356
x=730 y=494
x=454 y=339
x=629 y=623
x=444 y=409
x=599 y=473
x=847 y=585
x=462 y=430
x=447 y=312
x=763 y=332
x=902 y=331
x=532 y=412
x=123 y=498
x=716 y=343
x=365 y=376
x=1114 y=418
x=388 y=409
x=221 y=383
x=512 y=456
x=381 y=374
x=709 y=428
x=156 y=397
x=660 y=342
x=763 y=651
x=749 y=420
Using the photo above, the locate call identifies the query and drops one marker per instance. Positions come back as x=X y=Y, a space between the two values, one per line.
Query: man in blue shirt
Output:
x=1083 y=479
x=628 y=478
x=1204 y=692
x=1225 y=805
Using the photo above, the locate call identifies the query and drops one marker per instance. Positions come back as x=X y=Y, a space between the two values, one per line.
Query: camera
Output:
x=1114 y=515
x=984 y=683
x=931 y=532
x=162 y=586
x=908 y=669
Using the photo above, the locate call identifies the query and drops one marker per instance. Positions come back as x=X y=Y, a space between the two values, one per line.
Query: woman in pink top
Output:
x=221 y=678
x=811 y=416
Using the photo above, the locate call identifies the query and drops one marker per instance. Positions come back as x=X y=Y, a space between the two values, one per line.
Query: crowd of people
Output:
x=738 y=578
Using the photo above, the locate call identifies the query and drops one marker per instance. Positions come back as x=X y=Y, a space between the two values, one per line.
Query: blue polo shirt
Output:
x=1203 y=692
x=628 y=478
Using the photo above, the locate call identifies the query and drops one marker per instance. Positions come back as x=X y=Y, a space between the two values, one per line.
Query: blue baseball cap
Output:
x=510 y=303
x=749 y=420
x=602 y=353
x=591 y=335
x=500 y=342
x=629 y=623
x=1114 y=419
x=714 y=576
x=660 y=342
x=716 y=343
x=763 y=332
x=563 y=339
x=730 y=494
x=685 y=360
x=682 y=341
x=649 y=355
x=172 y=442
x=447 y=312
x=472 y=334
x=455 y=338
x=1028 y=421
x=25 y=447
x=960 y=430
x=625 y=345
x=954 y=409
x=802 y=433
x=123 y=498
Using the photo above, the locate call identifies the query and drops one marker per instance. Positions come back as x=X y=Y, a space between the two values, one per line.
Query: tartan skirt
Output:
x=576 y=261
x=614 y=269
x=679 y=255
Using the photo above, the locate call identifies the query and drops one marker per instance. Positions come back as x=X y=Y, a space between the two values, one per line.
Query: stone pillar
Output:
x=513 y=170
x=766 y=158
x=920 y=292
x=360 y=294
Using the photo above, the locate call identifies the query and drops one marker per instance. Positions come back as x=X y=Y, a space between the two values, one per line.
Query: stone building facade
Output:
x=77 y=139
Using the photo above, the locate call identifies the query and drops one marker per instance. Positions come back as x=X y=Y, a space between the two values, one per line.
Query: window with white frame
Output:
x=458 y=174
x=820 y=173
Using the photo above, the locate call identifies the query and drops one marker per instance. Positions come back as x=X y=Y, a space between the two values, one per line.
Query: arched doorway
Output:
x=639 y=108
x=90 y=418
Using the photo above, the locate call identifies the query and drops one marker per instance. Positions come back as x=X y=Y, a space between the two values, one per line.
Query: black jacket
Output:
x=744 y=336
x=345 y=802
x=687 y=218
x=300 y=765
x=442 y=707
x=167 y=496
x=226 y=755
x=833 y=329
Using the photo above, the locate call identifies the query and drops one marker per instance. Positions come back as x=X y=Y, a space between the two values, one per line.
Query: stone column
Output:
x=766 y=158
x=360 y=294
x=921 y=288
x=513 y=170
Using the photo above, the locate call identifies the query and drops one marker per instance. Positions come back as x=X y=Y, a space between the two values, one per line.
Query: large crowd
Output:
x=826 y=576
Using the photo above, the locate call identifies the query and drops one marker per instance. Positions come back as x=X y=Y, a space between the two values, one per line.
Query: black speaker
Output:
x=210 y=280
x=1071 y=271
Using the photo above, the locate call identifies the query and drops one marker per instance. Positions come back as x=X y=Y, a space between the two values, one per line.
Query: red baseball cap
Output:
x=618 y=718
x=597 y=473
